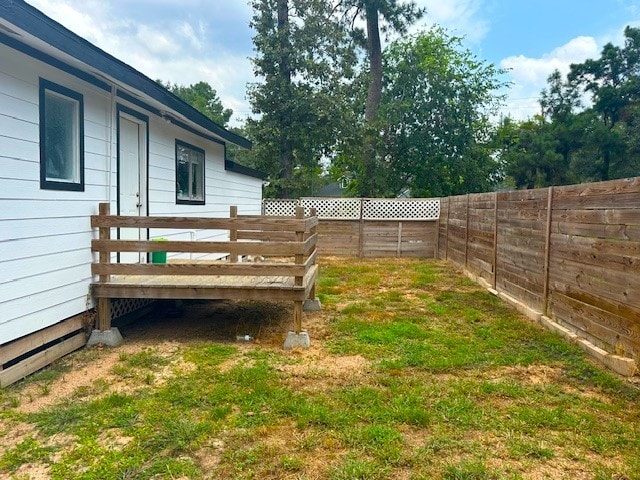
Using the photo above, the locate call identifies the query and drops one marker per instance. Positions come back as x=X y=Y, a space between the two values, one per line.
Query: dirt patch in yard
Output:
x=164 y=331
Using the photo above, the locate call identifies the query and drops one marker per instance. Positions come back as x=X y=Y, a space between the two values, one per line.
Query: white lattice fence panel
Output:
x=333 y=208
x=401 y=209
x=122 y=306
x=279 y=207
x=352 y=208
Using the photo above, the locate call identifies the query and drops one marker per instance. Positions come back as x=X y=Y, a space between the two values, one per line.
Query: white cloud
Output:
x=171 y=49
x=526 y=70
x=156 y=41
x=529 y=75
x=461 y=17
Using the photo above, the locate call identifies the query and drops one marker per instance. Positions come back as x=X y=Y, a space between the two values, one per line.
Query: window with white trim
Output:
x=189 y=174
x=61 y=138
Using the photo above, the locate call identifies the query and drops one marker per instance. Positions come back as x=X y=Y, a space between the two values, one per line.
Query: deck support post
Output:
x=298 y=338
x=104 y=334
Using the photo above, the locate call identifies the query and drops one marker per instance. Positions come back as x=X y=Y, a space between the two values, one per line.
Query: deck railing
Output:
x=291 y=239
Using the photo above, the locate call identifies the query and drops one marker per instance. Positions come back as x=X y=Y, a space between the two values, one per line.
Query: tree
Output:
x=435 y=108
x=303 y=57
x=396 y=17
x=203 y=98
x=613 y=81
x=569 y=145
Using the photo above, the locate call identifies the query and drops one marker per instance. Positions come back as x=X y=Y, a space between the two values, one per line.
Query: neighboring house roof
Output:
x=41 y=37
x=331 y=190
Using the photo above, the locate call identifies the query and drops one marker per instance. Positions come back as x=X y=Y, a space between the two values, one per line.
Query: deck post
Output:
x=233 y=233
x=300 y=239
x=103 y=321
x=297 y=311
x=298 y=338
x=104 y=333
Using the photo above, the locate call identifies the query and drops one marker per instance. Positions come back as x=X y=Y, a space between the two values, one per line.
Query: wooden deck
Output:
x=292 y=277
x=214 y=287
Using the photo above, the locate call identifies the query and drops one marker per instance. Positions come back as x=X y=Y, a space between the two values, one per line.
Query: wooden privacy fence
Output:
x=568 y=254
x=369 y=227
x=292 y=240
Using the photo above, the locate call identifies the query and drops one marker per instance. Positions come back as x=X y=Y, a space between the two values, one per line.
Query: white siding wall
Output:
x=45 y=235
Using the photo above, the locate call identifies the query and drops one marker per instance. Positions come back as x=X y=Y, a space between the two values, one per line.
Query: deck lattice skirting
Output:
x=287 y=244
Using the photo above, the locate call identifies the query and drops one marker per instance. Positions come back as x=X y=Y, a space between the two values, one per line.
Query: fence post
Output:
x=495 y=241
x=233 y=232
x=361 y=230
x=437 y=248
x=466 y=237
x=446 y=238
x=103 y=321
x=547 y=254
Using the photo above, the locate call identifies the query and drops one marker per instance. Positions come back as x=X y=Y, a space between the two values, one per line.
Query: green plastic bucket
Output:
x=159 y=257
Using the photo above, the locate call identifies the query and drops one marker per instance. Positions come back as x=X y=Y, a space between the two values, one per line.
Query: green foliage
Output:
x=568 y=144
x=303 y=62
x=436 y=103
x=203 y=98
x=396 y=16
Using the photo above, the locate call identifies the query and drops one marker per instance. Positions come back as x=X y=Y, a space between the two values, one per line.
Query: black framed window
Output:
x=189 y=174
x=61 y=138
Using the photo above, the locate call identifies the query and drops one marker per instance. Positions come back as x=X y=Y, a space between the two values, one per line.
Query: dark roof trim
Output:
x=54 y=62
x=30 y=19
x=136 y=101
x=232 y=166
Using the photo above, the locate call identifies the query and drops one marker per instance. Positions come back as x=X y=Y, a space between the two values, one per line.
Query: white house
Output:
x=79 y=127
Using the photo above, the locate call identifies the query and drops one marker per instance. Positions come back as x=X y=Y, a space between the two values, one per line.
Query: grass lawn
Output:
x=414 y=373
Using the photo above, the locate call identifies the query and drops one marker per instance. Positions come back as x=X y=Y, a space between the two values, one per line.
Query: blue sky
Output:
x=186 y=41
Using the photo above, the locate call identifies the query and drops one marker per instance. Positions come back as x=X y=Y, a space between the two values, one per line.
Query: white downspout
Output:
x=110 y=145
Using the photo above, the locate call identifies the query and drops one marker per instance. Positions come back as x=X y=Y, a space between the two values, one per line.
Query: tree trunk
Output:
x=284 y=67
x=374 y=94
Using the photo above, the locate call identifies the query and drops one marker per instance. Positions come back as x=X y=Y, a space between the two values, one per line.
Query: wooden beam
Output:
x=446 y=238
x=267 y=236
x=297 y=316
x=311 y=260
x=276 y=224
x=104 y=234
x=13 y=350
x=495 y=240
x=240 y=248
x=200 y=292
x=233 y=233
x=547 y=252
x=197 y=269
x=466 y=236
x=41 y=359
x=103 y=322
x=299 y=238
x=361 y=230
x=311 y=242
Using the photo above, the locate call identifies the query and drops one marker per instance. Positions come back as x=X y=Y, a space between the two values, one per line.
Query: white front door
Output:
x=132 y=179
